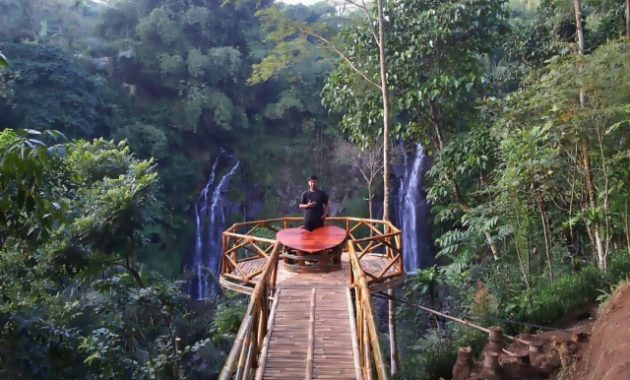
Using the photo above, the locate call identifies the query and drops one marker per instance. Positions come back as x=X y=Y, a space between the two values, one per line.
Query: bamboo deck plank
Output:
x=374 y=265
x=250 y=266
x=332 y=350
x=330 y=331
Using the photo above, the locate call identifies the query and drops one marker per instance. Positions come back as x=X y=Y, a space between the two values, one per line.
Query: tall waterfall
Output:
x=413 y=212
x=210 y=222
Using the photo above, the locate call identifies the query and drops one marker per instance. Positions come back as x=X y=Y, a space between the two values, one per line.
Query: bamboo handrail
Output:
x=369 y=346
x=377 y=237
x=243 y=356
x=249 y=237
x=385 y=239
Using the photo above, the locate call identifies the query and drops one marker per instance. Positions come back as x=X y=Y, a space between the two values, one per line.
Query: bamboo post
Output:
x=262 y=317
x=366 y=349
x=250 y=358
x=355 y=336
x=231 y=362
x=311 y=337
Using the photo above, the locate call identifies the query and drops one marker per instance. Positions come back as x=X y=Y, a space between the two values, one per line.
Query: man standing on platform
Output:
x=314 y=202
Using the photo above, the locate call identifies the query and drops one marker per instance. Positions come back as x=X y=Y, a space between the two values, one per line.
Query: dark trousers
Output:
x=313 y=224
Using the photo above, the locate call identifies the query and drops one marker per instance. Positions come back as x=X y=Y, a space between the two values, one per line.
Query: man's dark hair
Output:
x=314 y=178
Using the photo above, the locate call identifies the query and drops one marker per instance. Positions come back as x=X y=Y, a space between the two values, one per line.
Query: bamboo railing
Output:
x=370 y=353
x=245 y=255
x=242 y=361
x=379 y=238
x=371 y=237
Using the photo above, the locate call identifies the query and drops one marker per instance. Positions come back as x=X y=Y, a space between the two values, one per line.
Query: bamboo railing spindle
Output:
x=243 y=347
x=366 y=349
x=251 y=357
x=311 y=338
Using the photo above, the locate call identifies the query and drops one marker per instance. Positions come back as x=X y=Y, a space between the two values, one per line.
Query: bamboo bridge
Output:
x=315 y=323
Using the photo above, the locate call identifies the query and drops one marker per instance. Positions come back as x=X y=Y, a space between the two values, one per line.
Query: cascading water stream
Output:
x=414 y=213
x=210 y=220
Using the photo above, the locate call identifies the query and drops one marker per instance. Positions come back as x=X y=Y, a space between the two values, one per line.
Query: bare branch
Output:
x=369 y=18
x=343 y=56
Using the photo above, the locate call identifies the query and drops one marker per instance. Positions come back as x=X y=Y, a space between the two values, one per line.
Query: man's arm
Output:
x=304 y=202
x=326 y=208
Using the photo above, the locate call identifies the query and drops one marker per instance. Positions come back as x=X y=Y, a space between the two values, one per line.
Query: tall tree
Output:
x=591 y=192
x=436 y=79
x=291 y=36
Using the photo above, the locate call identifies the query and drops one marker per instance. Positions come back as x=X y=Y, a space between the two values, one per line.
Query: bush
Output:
x=549 y=302
x=618 y=267
x=436 y=356
x=434 y=362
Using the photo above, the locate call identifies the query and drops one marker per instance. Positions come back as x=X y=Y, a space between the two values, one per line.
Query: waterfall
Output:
x=413 y=213
x=210 y=222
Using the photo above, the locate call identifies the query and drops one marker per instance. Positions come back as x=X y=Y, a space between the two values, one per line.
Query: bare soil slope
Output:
x=607 y=357
x=586 y=351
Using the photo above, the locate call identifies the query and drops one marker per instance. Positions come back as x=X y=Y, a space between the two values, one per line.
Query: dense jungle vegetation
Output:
x=112 y=111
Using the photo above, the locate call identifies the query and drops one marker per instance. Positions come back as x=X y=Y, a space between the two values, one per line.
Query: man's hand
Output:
x=310 y=204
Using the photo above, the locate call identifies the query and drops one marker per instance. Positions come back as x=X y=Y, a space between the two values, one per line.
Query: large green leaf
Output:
x=3 y=61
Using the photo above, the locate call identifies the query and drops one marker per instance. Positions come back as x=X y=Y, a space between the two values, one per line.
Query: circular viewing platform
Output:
x=248 y=248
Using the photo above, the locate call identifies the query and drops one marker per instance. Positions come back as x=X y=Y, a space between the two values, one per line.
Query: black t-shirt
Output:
x=314 y=214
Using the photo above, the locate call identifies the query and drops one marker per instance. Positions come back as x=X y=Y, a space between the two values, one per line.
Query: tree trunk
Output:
x=386 y=118
x=628 y=19
x=606 y=193
x=386 y=183
x=541 y=209
x=370 y=203
x=588 y=175
x=592 y=202
x=579 y=29
x=524 y=269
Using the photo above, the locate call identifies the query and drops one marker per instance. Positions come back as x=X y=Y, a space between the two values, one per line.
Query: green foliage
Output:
x=227 y=318
x=435 y=354
x=549 y=302
x=3 y=61
x=75 y=302
x=146 y=140
x=423 y=84
x=435 y=362
x=53 y=91
x=159 y=26
x=619 y=267
x=28 y=208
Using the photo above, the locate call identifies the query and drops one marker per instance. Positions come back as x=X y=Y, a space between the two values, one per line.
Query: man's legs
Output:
x=311 y=225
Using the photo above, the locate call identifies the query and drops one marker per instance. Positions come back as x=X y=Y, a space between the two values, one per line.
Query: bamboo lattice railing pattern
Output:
x=247 y=245
x=242 y=361
x=370 y=353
